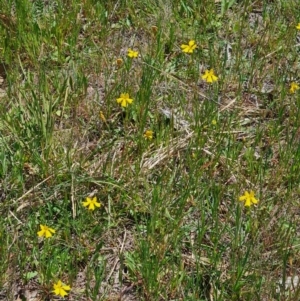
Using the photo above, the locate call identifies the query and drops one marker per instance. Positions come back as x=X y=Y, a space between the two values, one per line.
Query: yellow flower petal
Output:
x=40 y=233
x=248 y=202
x=67 y=287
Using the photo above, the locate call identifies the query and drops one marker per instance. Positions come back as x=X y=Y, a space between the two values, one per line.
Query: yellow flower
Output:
x=249 y=198
x=91 y=202
x=124 y=99
x=214 y=122
x=294 y=86
x=298 y=26
x=209 y=76
x=60 y=289
x=45 y=231
x=148 y=134
x=190 y=47
x=119 y=62
x=132 y=54
x=102 y=117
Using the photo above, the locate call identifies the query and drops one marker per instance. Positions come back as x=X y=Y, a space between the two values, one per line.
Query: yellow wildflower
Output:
x=45 y=231
x=209 y=76
x=132 y=54
x=124 y=99
x=294 y=86
x=214 y=122
x=148 y=134
x=189 y=48
x=298 y=26
x=249 y=198
x=91 y=202
x=60 y=289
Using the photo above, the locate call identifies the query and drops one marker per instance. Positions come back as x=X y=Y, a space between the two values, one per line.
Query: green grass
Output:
x=171 y=226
